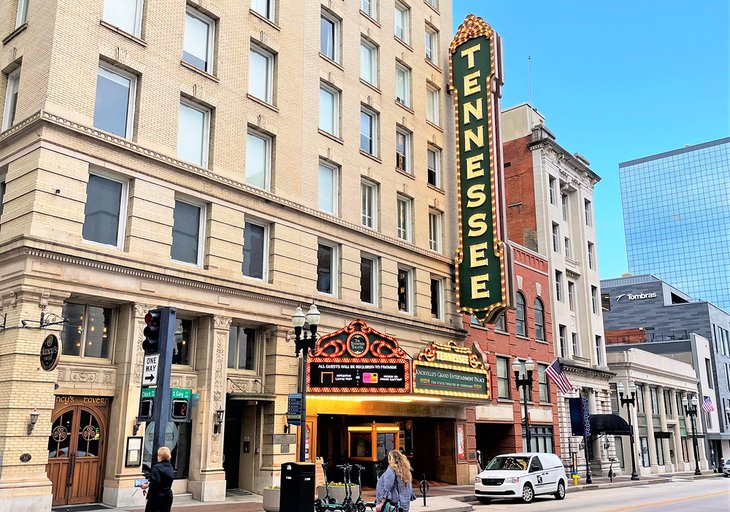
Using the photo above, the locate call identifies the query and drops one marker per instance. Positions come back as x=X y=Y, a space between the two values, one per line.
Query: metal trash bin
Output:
x=297 y=487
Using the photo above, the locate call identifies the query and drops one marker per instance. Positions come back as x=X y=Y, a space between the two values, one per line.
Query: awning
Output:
x=251 y=397
x=609 y=424
x=662 y=435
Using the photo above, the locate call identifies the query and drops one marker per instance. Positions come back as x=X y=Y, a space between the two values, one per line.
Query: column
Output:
x=207 y=480
x=668 y=466
x=25 y=387
x=676 y=433
x=650 y=429
x=688 y=430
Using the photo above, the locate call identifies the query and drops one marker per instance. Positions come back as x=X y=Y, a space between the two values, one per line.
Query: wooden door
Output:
x=75 y=455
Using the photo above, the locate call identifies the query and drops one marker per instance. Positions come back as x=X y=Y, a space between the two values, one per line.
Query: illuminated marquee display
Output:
x=451 y=370
x=481 y=258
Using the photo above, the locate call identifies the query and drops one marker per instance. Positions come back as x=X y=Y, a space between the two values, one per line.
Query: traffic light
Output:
x=180 y=410
x=151 y=343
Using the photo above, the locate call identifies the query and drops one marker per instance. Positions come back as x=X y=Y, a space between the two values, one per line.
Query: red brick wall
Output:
x=615 y=336
x=520 y=192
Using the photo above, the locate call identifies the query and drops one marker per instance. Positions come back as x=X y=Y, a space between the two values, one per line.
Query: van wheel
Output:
x=528 y=493
x=560 y=493
x=484 y=501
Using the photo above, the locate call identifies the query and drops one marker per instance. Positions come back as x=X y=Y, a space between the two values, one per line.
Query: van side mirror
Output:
x=480 y=461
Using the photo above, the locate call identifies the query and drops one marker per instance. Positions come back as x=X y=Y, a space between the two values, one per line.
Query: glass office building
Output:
x=677 y=218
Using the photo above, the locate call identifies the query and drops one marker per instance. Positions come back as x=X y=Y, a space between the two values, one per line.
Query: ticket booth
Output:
x=368 y=445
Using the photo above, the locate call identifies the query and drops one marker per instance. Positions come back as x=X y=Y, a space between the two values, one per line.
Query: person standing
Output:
x=159 y=488
x=396 y=484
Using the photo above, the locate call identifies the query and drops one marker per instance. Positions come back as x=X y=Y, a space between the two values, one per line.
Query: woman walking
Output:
x=159 y=488
x=394 y=486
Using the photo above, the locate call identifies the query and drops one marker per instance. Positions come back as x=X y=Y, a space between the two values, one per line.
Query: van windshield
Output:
x=508 y=463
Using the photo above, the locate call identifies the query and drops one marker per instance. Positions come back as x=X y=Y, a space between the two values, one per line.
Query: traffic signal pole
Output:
x=161 y=413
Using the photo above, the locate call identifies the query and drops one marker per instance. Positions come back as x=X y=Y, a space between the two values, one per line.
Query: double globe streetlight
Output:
x=524 y=381
x=629 y=402
x=305 y=336
x=691 y=411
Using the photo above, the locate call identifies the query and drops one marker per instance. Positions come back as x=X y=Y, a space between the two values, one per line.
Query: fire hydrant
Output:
x=576 y=479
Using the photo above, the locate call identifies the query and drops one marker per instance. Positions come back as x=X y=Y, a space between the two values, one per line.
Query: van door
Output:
x=538 y=476
x=552 y=468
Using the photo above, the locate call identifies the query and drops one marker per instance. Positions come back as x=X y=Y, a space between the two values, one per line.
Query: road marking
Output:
x=668 y=502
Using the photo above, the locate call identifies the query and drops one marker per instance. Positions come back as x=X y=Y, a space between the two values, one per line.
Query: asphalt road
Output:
x=706 y=495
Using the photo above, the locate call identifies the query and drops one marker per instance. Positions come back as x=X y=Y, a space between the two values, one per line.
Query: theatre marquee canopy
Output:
x=451 y=370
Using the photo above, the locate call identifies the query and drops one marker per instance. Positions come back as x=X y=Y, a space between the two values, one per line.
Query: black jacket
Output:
x=160 y=479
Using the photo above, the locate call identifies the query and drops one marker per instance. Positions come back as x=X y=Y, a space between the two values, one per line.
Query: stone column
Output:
x=668 y=466
x=207 y=480
x=119 y=490
x=24 y=388
x=690 y=442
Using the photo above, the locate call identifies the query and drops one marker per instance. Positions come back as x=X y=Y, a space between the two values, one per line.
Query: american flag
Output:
x=556 y=374
x=707 y=404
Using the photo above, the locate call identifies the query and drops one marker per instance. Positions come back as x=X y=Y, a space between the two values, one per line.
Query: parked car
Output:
x=521 y=475
x=726 y=468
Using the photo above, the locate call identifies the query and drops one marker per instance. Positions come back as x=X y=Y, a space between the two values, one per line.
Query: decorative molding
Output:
x=222 y=322
x=99 y=377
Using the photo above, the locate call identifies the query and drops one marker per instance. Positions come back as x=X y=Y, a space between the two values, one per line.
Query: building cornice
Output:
x=577 y=162
x=576 y=367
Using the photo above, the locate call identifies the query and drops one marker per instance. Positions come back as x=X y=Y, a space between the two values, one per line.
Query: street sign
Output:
x=294 y=409
x=149 y=373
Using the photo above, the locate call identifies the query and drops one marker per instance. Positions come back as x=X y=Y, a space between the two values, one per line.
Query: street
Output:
x=707 y=495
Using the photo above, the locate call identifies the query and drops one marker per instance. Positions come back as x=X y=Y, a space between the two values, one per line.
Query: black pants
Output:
x=159 y=504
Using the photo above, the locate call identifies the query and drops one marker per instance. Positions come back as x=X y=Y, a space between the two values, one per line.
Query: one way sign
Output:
x=149 y=374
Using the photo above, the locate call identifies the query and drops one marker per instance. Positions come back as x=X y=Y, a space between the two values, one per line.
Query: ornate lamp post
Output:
x=525 y=382
x=691 y=411
x=629 y=402
x=305 y=334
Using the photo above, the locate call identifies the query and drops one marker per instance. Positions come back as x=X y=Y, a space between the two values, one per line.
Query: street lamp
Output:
x=524 y=382
x=305 y=335
x=691 y=411
x=629 y=402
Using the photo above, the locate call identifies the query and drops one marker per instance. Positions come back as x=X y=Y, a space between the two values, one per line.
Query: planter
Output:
x=271 y=500
x=337 y=492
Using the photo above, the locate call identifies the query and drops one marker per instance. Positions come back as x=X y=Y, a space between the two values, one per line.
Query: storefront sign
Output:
x=50 y=353
x=481 y=267
x=358 y=359
x=449 y=369
x=637 y=296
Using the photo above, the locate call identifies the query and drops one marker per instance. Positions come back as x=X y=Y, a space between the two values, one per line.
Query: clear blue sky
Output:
x=616 y=80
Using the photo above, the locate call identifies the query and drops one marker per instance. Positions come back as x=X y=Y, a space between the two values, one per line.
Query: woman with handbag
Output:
x=394 y=491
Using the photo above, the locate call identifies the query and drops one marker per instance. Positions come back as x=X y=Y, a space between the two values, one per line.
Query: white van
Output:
x=521 y=475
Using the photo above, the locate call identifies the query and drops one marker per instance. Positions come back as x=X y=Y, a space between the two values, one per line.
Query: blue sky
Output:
x=616 y=80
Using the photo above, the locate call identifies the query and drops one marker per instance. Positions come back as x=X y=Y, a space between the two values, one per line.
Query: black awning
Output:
x=609 y=424
x=662 y=435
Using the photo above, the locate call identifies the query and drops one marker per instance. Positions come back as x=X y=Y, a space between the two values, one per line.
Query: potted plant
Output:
x=271 y=498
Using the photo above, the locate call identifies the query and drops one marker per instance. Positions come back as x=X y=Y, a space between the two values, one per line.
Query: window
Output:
x=520 y=326
x=437 y=306
x=710 y=377
x=567 y=247
x=563 y=334
x=402 y=23
x=599 y=350
x=434 y=167
x=326 y=268
x=558 y=285
x=183 y=342
x=659 y=451
x=123 y=14
x=556 y=237
x=541 y=440
x=405 y=218
x=187 y=232
x=255 y=250
x=104 y=211
x=403 y=150
x=368 y=279
x=261 y=74
x=564 y=204
x=594 y=299
x=2 y=194
x=434 y=230
x=433 y=3
x=576 y=345
x=329 y=36
x=539 y=320
x=542 y=380
x=241 y=348
x=571 y=295
x=329 y=110
x=21 y=15
x=86 y=330
x=432 y=105
x=369 y=204
x=503 y=390
x=369 y=62
x=668 y=403
x=500 y=324
x=258 y=160
x=328 y=194
x=553 y=189
x=654 y=400
x=369 y=131
x=591 y=256
x=432 y=45
x=193 y=133
x=588 y=212
x=405 y=290
x=114 y=104
x=11 y=99
x=266 y=8
x=402 y=85
x=640 y=396
x=199 y=40
x=644 y=448
x=369 y=7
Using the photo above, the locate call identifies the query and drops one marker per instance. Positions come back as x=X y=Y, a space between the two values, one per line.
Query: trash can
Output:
x=297 y=487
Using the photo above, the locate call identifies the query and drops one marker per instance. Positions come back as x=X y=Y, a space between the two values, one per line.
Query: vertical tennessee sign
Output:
x=482 y=280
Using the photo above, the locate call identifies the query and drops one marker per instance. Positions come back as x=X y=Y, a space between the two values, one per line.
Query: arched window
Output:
x=520 y=316
x=539 y=320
